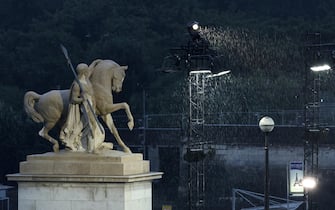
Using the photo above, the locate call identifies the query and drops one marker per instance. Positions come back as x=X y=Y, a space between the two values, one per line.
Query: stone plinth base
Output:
x=110 y=162
x=91 y=184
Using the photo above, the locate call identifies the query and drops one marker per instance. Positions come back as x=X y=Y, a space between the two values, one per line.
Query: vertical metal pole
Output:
x=190 y=184
x=266 y=181
x=144 y=126
x=307 y=200
x=288 y=186
x=234 y=200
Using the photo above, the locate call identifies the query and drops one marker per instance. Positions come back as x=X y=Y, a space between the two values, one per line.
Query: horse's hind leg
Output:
x=110 y=124
x=44 y=132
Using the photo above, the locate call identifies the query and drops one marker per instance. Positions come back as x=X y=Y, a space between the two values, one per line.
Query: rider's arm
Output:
x=75 y=94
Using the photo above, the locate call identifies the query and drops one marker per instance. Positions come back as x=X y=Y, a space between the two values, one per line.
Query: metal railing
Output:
x=177 y=121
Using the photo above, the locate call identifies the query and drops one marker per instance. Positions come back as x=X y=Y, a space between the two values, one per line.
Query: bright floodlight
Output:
x=324 y=67
x=218 y=74
x=200 y=72
x=195 y=26
x=309 y=182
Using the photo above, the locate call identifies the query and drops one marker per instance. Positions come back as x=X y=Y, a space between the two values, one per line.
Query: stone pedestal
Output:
x=112 y=180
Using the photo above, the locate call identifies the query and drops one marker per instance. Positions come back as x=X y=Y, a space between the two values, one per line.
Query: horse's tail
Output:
x=30 y=98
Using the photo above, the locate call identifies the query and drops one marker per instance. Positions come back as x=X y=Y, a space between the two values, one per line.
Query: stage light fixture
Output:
x=195 y=26
x=194 y=29
x=323 y=67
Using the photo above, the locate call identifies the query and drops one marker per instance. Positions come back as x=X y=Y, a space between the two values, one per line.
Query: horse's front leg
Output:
x=110 y=124
x=115 y=107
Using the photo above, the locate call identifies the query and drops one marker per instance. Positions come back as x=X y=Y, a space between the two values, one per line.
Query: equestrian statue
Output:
x=76 y=110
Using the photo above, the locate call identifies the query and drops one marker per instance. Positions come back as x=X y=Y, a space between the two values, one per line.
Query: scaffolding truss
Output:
x=197 y=145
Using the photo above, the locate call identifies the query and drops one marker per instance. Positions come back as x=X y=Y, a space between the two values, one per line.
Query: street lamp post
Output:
x=266 y=124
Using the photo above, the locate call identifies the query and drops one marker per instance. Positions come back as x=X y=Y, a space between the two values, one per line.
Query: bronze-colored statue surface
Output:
x=75 y=109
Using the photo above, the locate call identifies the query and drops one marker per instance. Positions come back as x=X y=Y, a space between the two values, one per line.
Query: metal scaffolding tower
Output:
x=312 y=139
x=312 y=116
x=312 y=122
x=315 y=131
x=197 y=59
x=197 y=144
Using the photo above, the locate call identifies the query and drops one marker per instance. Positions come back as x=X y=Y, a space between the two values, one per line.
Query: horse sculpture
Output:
x=51 y=108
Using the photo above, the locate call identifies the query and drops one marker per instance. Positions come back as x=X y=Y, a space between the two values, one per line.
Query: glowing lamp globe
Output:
x=266 y=124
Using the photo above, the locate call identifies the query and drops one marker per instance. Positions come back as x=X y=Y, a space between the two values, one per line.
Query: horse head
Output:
x=118 y=77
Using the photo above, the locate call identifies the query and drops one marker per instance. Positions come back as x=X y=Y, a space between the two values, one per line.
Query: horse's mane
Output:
x=93 y=65
x=108 y=64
